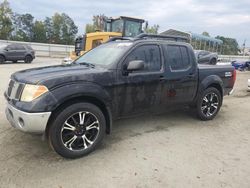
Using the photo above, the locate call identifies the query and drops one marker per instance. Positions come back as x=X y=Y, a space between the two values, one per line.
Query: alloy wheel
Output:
x=80 y=131
x=210 y=104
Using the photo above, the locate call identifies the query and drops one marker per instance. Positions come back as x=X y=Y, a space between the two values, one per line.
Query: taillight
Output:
x=234 y=77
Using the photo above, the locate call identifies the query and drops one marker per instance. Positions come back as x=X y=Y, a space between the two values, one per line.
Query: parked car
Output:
x=241 y=64
x=16 y=52
x=74 y=105
x=206 y=57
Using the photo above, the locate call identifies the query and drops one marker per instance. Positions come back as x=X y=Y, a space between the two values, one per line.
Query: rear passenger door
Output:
x=20 y=51
x=181 y=74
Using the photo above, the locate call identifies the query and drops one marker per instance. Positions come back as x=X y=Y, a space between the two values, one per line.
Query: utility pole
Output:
x=244 y=46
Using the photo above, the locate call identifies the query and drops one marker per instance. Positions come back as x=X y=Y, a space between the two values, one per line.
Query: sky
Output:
x=229 y=18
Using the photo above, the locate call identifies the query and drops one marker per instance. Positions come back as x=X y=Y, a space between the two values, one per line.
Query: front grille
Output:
x=15 y=89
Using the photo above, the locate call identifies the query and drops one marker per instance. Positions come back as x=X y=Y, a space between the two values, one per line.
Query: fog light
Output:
x=20 y=122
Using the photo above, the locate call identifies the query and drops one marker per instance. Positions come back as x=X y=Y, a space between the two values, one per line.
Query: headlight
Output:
x=31 y=92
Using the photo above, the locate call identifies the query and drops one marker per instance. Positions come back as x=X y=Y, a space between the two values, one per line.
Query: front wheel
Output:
x=2 y=59
x=77 y=130
x=213 y=61
x=209 y=103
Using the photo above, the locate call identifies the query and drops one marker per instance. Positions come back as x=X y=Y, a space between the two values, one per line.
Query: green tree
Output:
x=230 y=46
x=5 y=20
x=39 y=32
x=152 y=29
x=56 y=28
x=205 y=33
x=62 y=29
x=48 y=29
x=99 y=22
x=69 y=29
x=23 y=27
x=89 y=28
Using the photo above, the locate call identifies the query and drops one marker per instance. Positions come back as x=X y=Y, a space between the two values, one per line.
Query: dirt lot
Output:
x=169 y=150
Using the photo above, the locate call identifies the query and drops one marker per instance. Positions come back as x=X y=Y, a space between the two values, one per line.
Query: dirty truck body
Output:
x=75 y=105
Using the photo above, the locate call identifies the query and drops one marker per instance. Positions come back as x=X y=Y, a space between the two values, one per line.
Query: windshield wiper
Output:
x=87 y=64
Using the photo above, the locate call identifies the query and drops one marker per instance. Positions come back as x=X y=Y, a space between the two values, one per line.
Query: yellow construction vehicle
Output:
x=114 y=27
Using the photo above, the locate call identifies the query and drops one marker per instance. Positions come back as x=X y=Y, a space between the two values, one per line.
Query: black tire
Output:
x=28 y=59
x=2 y=59
x=213 y=61
x=83 y=144
x=207 y=110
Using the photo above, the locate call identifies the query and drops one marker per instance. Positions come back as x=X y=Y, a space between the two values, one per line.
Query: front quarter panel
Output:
x=51 y=100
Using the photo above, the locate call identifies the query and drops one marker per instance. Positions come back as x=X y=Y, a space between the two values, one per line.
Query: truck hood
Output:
x=52 y=76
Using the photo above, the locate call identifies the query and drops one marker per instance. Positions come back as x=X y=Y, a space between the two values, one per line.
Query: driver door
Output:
x=140 y=91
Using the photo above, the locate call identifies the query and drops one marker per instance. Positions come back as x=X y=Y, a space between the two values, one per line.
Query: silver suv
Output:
x=16 y=52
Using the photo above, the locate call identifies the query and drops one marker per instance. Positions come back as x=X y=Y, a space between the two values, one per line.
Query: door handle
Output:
x=162 y=78
x=191 y=75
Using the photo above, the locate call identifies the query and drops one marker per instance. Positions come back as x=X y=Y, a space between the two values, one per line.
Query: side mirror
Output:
x=6 y=49
x=135 y=65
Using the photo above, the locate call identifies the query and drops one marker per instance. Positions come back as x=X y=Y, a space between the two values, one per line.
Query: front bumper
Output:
x=27 y=122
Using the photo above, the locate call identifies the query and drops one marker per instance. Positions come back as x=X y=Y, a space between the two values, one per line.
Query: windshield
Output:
x=104 y=54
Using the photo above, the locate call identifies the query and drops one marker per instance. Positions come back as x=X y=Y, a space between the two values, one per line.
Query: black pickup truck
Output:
x=74 y=105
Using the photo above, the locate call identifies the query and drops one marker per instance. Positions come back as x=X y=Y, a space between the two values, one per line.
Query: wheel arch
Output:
x=3 y=56
x=210 y=81
x=28 y=55
x=217 y=86
x=76 y=99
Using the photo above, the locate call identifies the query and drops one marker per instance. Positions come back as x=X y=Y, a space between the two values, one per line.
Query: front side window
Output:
x=150 y=54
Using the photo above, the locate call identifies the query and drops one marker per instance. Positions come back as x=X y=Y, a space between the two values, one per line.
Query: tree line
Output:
x=230 y=45
x=58 y=29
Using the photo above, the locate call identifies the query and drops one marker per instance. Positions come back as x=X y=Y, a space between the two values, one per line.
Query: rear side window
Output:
x=150 y=54
x=29 y=47
x=177 y=57
x=12 y=47
x=20 y=47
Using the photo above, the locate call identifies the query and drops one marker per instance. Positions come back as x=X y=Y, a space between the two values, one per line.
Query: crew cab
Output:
x=74 y=105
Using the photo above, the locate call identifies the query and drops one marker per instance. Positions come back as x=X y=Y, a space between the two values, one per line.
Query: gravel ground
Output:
x=168 y=150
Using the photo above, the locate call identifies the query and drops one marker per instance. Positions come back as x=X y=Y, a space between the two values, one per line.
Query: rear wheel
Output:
x=209 y=103
x=77 y=130
x=213 y=61
x=2 y=59
x=28 y=59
